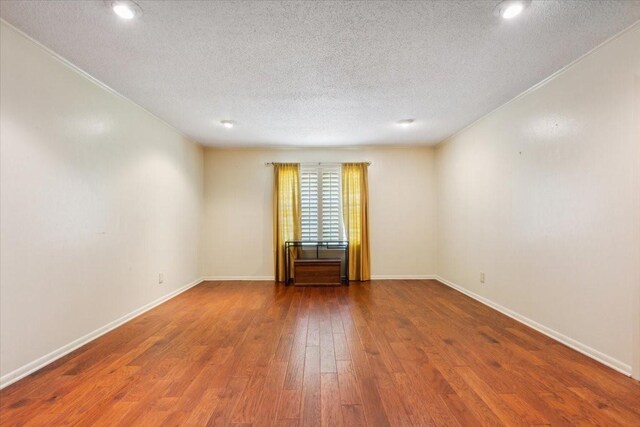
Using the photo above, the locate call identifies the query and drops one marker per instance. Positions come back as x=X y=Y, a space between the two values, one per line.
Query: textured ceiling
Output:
x=320 y=73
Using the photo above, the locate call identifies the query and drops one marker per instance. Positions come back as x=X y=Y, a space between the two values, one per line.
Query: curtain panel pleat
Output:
x=355 y=207
x=286 y=212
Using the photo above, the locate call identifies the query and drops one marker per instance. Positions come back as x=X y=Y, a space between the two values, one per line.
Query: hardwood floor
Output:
x=385 y=353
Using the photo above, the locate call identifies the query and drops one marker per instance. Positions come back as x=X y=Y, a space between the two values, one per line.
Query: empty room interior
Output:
x=320 y=213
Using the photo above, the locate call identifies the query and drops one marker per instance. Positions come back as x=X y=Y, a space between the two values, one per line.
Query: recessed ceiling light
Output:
x=126 y=9
x=509 y=9
x=405 y=122
x=227 y=123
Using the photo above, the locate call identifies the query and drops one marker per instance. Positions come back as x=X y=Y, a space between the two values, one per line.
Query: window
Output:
x=321 y=202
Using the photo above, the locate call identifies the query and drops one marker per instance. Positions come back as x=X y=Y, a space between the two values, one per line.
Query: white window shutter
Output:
x=321 y=200
x=309 y=203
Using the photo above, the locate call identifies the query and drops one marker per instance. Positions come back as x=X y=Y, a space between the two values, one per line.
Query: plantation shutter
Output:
x=309 y=203
x=331 y=211
x=321 y=197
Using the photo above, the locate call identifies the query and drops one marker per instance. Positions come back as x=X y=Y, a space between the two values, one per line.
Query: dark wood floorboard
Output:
x=402 y=353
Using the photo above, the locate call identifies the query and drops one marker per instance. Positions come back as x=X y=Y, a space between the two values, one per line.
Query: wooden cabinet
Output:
x=318 y=260
x=317 y=272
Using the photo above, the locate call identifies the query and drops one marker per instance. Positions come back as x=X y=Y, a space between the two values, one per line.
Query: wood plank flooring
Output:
x=402 y=353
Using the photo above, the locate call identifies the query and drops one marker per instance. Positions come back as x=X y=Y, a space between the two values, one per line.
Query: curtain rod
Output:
x=316 y=163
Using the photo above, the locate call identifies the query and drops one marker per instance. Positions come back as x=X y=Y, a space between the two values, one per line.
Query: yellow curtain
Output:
x=286 y=212
x=355 y=208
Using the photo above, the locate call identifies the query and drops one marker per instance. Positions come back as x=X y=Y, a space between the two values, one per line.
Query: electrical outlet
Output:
x=160 y=278
x=481 y=277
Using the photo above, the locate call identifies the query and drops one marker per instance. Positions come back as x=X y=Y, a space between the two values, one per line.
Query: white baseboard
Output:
x=569 y=342
x=43 y=361
x=231 y=278
x=271 y=278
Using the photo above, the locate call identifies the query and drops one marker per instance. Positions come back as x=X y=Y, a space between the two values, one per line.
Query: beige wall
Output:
x=238 y=230
x=543 y=196
x=636 y=342
x=97 y=198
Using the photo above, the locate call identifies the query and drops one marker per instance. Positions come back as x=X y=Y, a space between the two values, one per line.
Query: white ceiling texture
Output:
x=320 y=73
